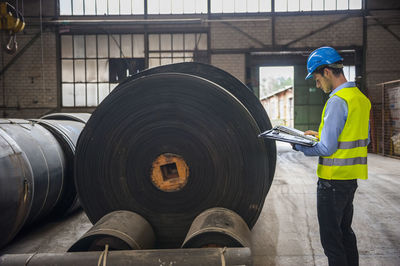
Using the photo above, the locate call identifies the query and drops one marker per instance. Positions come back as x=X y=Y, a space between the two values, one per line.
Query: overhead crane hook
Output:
x=12 y=21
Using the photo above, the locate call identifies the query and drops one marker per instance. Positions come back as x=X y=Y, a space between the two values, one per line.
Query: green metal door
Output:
x=308 y=101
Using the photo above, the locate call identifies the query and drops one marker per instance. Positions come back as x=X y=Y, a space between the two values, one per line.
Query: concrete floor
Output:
x=287 y=231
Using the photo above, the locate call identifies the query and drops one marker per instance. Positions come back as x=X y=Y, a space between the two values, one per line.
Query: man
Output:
x=343 y=135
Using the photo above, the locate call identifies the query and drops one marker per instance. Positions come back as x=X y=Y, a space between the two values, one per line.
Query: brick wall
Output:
x=29 y=85
x=383 y=49
x=347 y=32
x=258 y=34
x=232 y=63
x=383 y=65
x=31 y=7
x=28 y=95
x=383 y=54
x=234 y=34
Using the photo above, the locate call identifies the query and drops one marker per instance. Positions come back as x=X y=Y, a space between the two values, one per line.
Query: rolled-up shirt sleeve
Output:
x=334 y=120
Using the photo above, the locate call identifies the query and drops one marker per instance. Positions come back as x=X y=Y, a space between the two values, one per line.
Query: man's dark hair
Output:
x=336 y=71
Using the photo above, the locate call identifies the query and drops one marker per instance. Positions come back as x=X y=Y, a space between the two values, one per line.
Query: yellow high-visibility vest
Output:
x=350 y=159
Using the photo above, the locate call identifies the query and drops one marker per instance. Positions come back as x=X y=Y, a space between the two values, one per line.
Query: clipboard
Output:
x=290 y=135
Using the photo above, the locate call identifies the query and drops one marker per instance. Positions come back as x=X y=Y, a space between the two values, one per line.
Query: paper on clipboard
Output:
x=290 y=135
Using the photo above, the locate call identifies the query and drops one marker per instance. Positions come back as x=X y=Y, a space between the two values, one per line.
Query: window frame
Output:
x=145 y=55
x=208 y=8
x=97 y=58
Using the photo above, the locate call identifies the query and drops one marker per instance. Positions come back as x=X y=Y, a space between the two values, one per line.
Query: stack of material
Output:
x=36 y=177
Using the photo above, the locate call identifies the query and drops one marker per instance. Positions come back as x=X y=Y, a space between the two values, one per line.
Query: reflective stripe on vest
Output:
x=342 y=162
x=352 y=144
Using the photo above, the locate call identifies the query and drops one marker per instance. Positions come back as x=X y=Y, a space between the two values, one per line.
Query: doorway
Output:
x=307 y=101
x=276 y=93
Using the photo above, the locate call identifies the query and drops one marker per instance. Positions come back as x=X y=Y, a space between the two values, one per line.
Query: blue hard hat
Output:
x=322 y=56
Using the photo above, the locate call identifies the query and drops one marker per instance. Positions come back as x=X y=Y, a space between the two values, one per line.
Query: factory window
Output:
x=175 y=48
x=121 y=68
x=316 y=5
x=176 y=6
x=137 y=7
x=92 y=65
x=101 y=7
x=240 y=6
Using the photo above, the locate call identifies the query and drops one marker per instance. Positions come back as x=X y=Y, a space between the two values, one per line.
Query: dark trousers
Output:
x=335 y=214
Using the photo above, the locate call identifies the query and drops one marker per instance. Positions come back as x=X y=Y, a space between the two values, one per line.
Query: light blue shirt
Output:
x=334 y=119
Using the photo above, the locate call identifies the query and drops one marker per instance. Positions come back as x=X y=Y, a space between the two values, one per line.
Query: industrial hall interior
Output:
x=200 y=132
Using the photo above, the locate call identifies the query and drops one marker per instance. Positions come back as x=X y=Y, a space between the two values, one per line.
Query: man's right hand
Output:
x=312 y=133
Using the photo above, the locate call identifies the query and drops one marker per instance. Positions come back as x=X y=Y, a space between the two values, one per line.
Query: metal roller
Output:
x=78 y=117
x=120 y=230
x=168 y=146
x=67 y=134
x=16 y=187
x=47 y=162
x=176 y=257
x=218 y=227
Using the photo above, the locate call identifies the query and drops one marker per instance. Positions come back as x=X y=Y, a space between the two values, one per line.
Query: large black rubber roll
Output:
x=169 y=146
x=218 y=227
x=78 y=117
x=67 y=133
x=120 y=230
x=232 y=85
x=47 y=162
x=16 y=185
